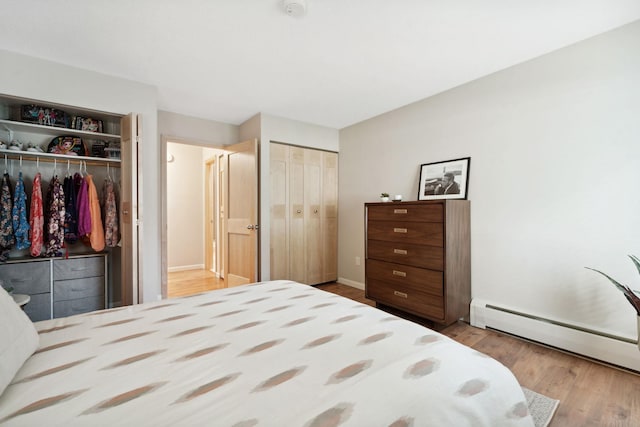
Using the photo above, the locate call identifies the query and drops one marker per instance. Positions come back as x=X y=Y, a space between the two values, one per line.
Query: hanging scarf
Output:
x=71 y=214
x=6 y=222
x=110 y=214
x=96 y=237
x=56 y=210
x=82 y=204
x=36 y=218
x=19 y=213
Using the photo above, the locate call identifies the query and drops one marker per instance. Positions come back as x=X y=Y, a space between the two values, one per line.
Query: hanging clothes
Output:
x=7 y=239
x=82 y=205
x=56 y=213
x=110 y=211
x=36 y=217
x=19 y=214
x=96 y=237
x=71 y=213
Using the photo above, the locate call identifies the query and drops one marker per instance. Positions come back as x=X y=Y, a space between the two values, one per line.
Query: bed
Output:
x=274 y=353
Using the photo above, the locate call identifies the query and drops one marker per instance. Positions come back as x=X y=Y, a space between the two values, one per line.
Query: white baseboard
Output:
x=351 y=283
x=185 y=268
x=577 y=339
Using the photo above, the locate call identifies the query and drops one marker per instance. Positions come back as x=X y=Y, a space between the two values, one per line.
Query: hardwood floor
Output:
x=182 y=283
x=590 y=394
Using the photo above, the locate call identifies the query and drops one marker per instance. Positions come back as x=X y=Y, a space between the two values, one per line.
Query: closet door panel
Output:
x=279 y=246
x=313 y=224
x=330 y=216
x=297 y=265
x=127 y=293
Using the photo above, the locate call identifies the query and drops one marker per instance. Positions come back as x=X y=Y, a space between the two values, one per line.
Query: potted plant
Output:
x=630 y=294
x=384 y=197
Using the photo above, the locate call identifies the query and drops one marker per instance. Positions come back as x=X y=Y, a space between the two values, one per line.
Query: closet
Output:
x=79 y=276
x=304 y=214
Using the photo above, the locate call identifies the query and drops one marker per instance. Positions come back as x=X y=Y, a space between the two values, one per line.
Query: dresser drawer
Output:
x=26 y=277
x=64 y=290
x=39 y=307
x=76 y=268
x=422 y=233
x=406 y=297
x=407 y=253
x=406 y=212
x=420 y=279
x=77 y=306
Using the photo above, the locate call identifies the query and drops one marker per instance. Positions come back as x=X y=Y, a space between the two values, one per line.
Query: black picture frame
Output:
x=448 y=179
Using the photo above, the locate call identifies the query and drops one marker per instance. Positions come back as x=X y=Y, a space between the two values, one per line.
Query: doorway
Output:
x=236 y=207
x=192 y=210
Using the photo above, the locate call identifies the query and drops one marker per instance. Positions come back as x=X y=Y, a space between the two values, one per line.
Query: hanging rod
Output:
x=50 y=158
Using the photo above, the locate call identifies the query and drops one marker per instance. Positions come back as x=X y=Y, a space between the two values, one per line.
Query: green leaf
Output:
x=615 y=282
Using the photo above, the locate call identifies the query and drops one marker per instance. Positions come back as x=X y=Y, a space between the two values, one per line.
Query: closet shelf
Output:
x=13 y=126
x=62 y=158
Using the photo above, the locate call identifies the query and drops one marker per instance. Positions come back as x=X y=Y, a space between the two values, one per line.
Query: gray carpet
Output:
x=541 y=407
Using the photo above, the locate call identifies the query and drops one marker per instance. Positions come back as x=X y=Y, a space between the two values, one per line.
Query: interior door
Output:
x=129 y=210
x=241 y=237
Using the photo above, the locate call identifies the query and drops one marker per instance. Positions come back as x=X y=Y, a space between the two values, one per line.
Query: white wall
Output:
x=185 y=207
x=29 y=77
x=555 y=147
x=201 y=131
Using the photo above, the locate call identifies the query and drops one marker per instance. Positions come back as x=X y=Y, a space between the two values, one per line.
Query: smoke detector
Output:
x=295 y=8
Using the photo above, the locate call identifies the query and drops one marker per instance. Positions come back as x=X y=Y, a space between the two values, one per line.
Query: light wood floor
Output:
x=182 y=283
x=590 y=394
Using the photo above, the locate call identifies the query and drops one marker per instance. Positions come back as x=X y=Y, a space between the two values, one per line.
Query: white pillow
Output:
x=18 y=338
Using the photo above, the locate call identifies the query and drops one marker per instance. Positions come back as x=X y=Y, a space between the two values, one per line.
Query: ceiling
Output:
x=343 y=62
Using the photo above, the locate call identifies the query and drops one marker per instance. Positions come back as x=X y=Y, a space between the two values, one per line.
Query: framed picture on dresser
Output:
x=444 y=180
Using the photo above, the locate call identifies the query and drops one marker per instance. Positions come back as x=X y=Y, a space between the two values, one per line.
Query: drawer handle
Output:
x=79 y=269
x=400 y=251
x=399 y=230
x=399 y=211
x=400 y=294
x=18 y=280
x=399 y=273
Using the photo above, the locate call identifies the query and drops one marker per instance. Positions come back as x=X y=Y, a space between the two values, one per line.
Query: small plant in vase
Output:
x=630 y=294
x=384 y=197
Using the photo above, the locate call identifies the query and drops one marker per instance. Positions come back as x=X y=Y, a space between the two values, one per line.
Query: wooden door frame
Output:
x=209 y=215
x=220 y=202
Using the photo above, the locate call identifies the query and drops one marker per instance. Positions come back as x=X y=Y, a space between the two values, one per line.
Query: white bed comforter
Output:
x=267 y=354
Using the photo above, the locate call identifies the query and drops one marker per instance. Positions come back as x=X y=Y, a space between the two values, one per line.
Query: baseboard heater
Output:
x=606 y=347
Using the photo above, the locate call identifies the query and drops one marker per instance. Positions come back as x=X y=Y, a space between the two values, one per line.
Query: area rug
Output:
x=541 y=407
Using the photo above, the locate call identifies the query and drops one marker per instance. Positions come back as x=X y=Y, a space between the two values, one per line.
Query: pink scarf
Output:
x=36 y=218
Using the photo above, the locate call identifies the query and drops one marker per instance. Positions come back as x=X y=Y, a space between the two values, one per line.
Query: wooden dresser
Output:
x=418 y=258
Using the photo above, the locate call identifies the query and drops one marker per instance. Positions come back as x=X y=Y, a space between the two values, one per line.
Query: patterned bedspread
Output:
x=268 y=354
